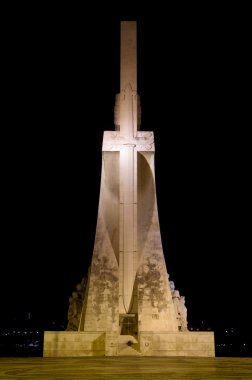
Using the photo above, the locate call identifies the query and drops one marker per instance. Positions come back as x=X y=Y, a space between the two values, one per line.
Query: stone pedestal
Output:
x=65 y=343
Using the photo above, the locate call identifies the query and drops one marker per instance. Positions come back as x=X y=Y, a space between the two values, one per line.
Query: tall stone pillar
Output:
x=128 y=307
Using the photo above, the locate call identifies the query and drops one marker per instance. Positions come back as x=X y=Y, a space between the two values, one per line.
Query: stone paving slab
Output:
x=148 y=368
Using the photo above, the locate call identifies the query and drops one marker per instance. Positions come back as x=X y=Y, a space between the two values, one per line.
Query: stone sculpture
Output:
x=128 y=307
x=75 y=306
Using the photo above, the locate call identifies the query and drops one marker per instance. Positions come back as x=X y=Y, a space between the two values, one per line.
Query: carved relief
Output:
x=105 y=286
x=151 y=285
x=113 y=141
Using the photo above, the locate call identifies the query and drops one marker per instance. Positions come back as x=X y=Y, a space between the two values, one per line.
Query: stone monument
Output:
x=127 y=307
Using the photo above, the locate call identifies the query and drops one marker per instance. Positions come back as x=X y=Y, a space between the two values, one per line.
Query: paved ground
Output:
x=147 y=368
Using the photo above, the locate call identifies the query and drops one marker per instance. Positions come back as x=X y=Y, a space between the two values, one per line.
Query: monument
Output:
x=127 y=306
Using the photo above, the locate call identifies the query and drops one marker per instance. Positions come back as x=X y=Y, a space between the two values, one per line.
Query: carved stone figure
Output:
x=73 y=313
x=172 y=286
x=183 y=314
x=180 y=309
x=176 y=302
x=75 y=306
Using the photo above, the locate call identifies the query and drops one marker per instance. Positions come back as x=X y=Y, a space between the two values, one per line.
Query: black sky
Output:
x=61 y=74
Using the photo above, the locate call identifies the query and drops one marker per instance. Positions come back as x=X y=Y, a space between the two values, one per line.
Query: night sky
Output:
x=61 y=74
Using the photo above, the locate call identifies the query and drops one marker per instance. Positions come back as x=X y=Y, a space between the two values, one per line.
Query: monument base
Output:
x=73 y=344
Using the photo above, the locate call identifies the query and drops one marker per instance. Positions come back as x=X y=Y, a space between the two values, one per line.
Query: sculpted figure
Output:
x=172 y=286
x=183 y=313
x=176 y=302
x=75 y=306
x=73 y=313
x=180 y=310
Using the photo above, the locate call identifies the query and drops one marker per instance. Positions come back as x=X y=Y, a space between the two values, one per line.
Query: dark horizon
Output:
x=62 y=79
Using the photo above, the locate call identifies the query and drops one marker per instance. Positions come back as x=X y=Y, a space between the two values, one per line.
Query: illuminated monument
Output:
x=128 y=306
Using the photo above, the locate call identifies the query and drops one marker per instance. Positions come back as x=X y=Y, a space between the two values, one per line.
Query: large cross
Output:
x=128 y=141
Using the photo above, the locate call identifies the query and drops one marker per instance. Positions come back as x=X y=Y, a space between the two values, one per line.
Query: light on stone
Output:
x=127 y=305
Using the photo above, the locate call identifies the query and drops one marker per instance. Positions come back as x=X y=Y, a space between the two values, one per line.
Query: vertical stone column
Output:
x=128 y=69
x=128 y=79
x=128 y=191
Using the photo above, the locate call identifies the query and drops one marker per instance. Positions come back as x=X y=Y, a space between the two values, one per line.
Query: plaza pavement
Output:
x=122 y=368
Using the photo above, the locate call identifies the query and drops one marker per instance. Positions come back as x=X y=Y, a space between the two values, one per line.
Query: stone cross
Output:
x=128 y=141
